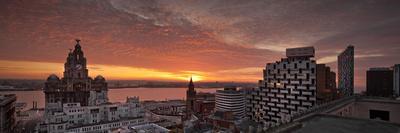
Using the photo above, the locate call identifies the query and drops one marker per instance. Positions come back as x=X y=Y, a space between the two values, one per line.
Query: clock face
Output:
x=79 y=67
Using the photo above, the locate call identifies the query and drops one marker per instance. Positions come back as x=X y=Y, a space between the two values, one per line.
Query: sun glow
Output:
x=40 y=70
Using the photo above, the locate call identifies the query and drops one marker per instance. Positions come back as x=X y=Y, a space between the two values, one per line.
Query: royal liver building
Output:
x=76 y=86
x=78 y=103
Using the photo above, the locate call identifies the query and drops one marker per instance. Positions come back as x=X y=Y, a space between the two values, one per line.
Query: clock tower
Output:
x=75 y=86
x=75 y=67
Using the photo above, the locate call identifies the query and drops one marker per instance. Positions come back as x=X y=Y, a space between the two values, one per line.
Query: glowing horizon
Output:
x=41 y=70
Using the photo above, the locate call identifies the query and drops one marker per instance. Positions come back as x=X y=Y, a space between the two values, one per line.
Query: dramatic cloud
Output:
x=217 y=40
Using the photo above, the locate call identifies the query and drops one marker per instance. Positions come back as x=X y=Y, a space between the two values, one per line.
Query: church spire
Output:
x=191 y=85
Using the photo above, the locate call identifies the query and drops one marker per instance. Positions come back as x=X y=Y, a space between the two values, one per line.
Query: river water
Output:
x=114 y=95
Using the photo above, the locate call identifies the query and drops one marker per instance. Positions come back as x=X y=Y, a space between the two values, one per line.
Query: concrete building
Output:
x=288 y=86
x=99 y=118
x=231 y=99
x=396 y=80
x=143 y=128
x=379 y=114
x=346 y=71
x=7 y=113
x=326 y=84
x=204 y=105
x=380 y=82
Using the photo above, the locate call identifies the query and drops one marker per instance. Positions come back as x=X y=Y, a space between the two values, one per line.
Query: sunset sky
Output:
x=213 y=40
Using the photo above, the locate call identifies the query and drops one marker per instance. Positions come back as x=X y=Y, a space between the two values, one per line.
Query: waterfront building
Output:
x=78 y=103
x=380 y=82
x=7 y=113
x=230 y=99
x=346 y=71
x=288 y=86
x=396 y=80
x=326 y=84
x=76 y=86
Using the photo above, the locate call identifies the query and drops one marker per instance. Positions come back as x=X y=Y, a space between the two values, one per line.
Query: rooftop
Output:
x=336 y=124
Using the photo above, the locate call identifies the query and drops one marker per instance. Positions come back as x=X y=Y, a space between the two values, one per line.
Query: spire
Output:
x=191 y=85
x=191 y=81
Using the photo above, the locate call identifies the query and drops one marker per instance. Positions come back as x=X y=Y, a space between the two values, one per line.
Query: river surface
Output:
x=114 y=95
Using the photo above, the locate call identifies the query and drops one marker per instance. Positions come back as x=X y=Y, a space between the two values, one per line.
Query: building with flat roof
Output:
x=326 y=84
x=7 y=113
x=380 y=82
x=346 y=71
x=354 y=114
x=230 y=99
x=396 y=80
x=288 y=86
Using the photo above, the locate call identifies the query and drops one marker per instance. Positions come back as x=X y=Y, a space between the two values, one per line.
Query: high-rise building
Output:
x=76 y=86
x=326 y=83
x=396 y=79
x=7 y=113
x=346 y=71
x=380 y=82
x=288 y=86
x=190 y=98
x=230 y=99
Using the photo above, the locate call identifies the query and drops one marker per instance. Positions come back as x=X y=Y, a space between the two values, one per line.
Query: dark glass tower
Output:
x=380 y=82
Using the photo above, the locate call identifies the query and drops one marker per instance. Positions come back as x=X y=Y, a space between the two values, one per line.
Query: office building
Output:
x=346 y=71
x=396 y=80
x=380 y=82
x=326 y=84
x=78 y=103
x=7 y=113
x=288 y=86
x=76 y=86
x=230 y=99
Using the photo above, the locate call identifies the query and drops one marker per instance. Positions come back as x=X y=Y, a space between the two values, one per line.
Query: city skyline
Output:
x=211 y=41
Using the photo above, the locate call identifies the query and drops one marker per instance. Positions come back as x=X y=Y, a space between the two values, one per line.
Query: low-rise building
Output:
x=100 y=118
x=7 y=113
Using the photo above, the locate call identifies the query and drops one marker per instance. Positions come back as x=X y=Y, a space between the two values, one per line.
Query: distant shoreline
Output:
x=2 y=90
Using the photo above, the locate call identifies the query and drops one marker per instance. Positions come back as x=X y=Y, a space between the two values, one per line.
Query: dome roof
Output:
x=53 y=77
x=99 y=78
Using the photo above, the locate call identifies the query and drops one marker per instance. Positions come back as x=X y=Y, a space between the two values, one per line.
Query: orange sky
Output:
x=211 y=40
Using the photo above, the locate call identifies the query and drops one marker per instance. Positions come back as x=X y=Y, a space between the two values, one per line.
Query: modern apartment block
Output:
x=7 y=113
x=230 y=99
x=380 y=82
x=289 y=85
x=346 y=71
x=396 y=79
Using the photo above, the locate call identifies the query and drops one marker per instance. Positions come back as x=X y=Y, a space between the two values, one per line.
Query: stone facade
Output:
x=76 y=86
